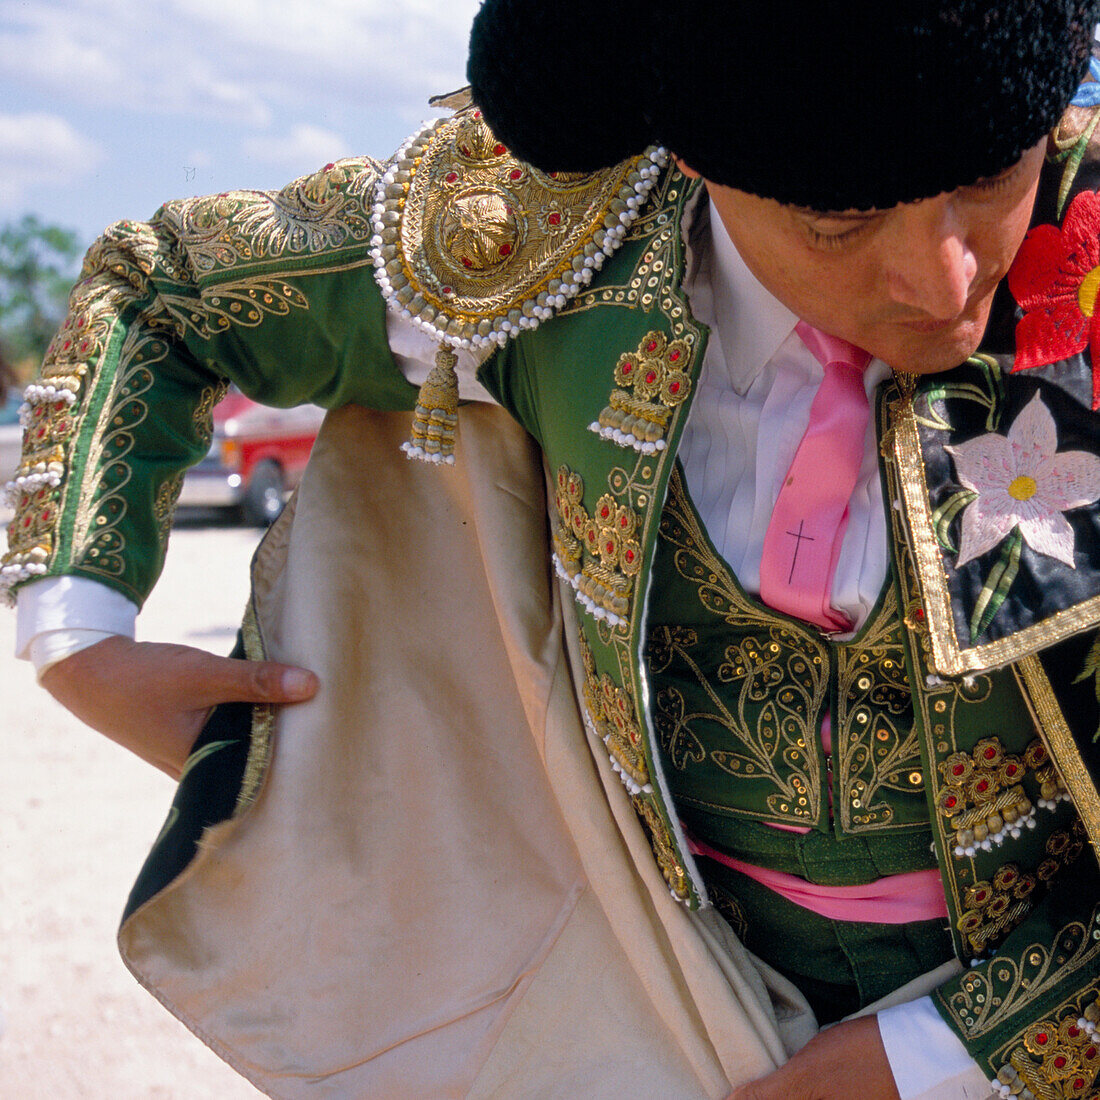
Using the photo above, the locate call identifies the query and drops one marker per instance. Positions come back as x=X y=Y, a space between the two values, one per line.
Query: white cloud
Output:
x=122 y=53
x=237 y=60
x=40 y=150
x=305 y=149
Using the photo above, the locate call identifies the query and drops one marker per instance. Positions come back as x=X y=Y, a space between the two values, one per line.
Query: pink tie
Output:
x=803 y=539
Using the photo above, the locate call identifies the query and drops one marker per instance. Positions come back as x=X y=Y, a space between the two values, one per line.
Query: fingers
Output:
x=225 y=679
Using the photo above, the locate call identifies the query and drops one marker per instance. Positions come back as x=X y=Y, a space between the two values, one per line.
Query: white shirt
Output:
x=751 y=408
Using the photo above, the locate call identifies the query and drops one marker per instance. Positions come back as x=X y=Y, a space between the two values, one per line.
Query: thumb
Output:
x=226 y=679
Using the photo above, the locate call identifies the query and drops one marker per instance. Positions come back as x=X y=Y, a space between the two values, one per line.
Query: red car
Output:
x=256 y=457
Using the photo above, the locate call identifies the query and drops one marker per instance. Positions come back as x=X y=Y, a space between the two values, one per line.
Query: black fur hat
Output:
x=831 y=106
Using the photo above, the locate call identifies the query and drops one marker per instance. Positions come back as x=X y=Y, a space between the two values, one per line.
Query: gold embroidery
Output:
x=611 y=712
x=654 y=382
x=982 y=796
x=664 y=848
x=994 y=991
x=877 y=747
x=597 y=554
x=994 y=908
x=1059 y=1057
x=477 y=245
x=785 y=728
x=321 y=212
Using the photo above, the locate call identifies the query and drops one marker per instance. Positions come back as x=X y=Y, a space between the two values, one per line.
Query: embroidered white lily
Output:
x=1023 y=482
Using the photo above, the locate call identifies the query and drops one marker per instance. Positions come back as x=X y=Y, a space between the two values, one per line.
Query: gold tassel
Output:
x=436 y=416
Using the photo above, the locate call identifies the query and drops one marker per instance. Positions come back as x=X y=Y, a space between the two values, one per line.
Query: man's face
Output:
x=912 y=284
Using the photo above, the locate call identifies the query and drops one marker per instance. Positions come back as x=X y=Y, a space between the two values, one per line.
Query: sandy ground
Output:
x=77 y=815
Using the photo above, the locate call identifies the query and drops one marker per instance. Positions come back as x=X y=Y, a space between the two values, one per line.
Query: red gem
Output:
x=477 y=114
x=506 y=250
x=329 y=167
x=651 y=377
x=1078 y=1083
x=610 y=547
x=605 y=511
x=674 y=388
x=451 y=177
x=958 y=769
x=919 y=614
x=651 y=346
x=27 y=522
x=1009 y=876
x=674 y=357
x=1042 y=1038
x=630 y=555
x=467 y=263
x=1010 y=770
x=989 y=753
x=46 y=515
x=983 y=784
x=628 y=367
x=1090 y=1053
x=499 y=150
x=1073 y=1031
x=951 y=802
x=624 y=523
x=464 y=150
x=1060 y=1062
x=554 y=219
x=448 y=290
x=515 y=174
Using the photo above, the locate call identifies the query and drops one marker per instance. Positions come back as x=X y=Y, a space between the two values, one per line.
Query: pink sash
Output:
x=895 y=899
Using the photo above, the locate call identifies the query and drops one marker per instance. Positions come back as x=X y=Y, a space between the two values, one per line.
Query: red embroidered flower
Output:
x=1056 y=278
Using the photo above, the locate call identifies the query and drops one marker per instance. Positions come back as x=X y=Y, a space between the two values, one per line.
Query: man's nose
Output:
x=931 y=267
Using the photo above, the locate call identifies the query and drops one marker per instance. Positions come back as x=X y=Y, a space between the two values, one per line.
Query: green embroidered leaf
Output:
x=997 y=584
x=990 y=396
x=945 y=514
x=1091 y=668
x=1073 y=157
x=201 y=754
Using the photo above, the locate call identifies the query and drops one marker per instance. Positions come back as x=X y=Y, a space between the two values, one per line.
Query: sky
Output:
x=110 y=107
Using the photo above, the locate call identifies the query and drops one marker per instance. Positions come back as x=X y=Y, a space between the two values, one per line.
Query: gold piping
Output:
x=1060 y=743
x=263 y=719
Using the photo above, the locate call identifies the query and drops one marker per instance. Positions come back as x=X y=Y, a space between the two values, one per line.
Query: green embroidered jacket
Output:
x=276 y=292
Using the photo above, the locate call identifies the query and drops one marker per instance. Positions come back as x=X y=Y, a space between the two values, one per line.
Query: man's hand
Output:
x=154 y=699
x=843 y=1061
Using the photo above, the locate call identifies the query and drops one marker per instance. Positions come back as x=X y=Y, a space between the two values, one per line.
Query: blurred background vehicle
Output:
x=256 y=457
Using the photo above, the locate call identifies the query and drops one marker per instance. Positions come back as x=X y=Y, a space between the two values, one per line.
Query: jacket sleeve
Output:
x=1029 y=1012
x=271 y=291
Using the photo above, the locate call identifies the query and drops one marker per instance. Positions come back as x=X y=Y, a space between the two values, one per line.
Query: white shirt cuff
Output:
x=926 y=1057
x=72 y=606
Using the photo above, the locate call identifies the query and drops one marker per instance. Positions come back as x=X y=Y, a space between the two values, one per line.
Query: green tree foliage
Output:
x=38 y=265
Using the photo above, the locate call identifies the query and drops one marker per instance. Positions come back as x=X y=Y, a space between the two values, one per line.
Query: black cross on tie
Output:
x=798 y=536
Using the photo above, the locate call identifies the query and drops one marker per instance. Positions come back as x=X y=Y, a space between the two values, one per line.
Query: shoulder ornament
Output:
x=475 y=247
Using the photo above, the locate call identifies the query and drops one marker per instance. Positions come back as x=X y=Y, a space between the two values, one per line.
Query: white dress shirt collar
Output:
x=754 y=323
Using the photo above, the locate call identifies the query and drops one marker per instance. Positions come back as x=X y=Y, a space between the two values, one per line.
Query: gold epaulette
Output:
x=475 y=247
